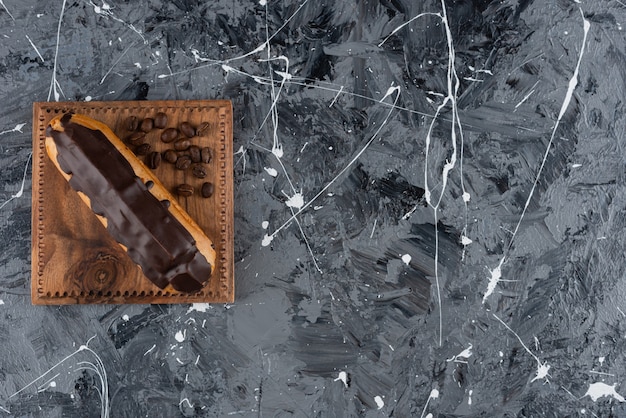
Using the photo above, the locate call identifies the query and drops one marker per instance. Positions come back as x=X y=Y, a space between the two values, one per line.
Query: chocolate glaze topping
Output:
x=155 y=239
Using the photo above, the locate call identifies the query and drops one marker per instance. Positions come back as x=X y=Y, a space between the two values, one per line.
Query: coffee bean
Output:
x=183 y=163
x=181 y=144
x=187 y=129
x=143 y=149
x=203 y=129
x=169 y=135
x=194 y=153
x=170 y=156
x=165 y=203
x=147 y=124
x=198 y=170
x=205 y=155
x=207 y=189
x=160 y=120
x=149 y=184
x=184 y=189
x=132 y=123
x=136 y=137
x=154 y=159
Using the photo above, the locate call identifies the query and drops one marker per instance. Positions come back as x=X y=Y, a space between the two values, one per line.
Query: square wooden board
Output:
x=75 y=260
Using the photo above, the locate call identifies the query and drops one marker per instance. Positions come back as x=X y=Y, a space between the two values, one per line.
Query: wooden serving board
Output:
x=75 y=260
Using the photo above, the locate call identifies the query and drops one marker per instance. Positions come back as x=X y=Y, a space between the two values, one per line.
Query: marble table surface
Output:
x=430 y=209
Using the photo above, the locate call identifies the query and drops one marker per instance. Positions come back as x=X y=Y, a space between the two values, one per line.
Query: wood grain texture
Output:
x=74 y=259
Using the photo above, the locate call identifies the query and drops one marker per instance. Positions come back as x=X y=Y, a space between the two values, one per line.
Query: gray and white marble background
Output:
x=430 y=209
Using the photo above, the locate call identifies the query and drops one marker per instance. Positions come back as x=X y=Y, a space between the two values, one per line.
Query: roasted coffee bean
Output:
x=181 y=144
x=194 y=153
x=154 y=159
x=147 y=124
x=136 y=137
x=165 y=203
x=203 y=129
x=143 y=149
x=187 y=129
x=207 y=189
x=198 y=170
x=170 y=156
x=169 y=135
x=205 y=155
x=149 y=184
x=184 y=189
x=183 y=163
x=132 y=123
x=160 y=120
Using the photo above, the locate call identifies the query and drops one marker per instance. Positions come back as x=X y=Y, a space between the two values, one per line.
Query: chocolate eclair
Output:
x=131 y=202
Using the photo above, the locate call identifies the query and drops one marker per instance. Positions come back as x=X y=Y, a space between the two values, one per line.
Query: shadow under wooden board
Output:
x=75 y=260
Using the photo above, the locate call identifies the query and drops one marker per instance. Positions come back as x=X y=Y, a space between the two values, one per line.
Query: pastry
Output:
x=131 y=203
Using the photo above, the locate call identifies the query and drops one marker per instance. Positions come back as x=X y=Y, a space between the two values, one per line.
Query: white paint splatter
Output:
x=125 y=317
x=405 y=24
x=35 y=48
x=335 y=99
x=18 y=127
x=97 y=367
x=496 y=274
x=105 y=11
x=573 y=82
x=469 y=397
x=295 y=201
x=88 y=98
x=284 y=75
x=462 y=356
x=185 y=400
x=197 y=57
x=465 y=240
x=277 y=150
x=343 y=377
x=532 y=91
x=379 y=402
x=20 y=192
x=456 y=130
x=265 y=224
x=542 y=371
x=271 y=171
x=1 y=302
x=150 y=350
x=49 y=384
x=542 y=368
x=6 y=10
x=433 y=395
x=199 y=307
x=262 y=2
x=466 y=197
x=599 y=389
x=267 y=239
x=53 y=82
x=180 y=336
x=406 y=258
